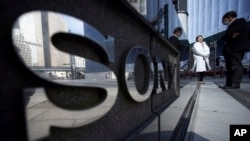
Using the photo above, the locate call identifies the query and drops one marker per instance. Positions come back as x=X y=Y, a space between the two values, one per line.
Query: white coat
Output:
x=201 y=53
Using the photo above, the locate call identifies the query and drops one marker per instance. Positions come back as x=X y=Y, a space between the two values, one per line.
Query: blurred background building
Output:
x=196 y=17
x=32 y=33
x=32 y=36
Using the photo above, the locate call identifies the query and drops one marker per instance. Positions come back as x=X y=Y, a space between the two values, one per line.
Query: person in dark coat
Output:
x=235 y=45
x=174 y=39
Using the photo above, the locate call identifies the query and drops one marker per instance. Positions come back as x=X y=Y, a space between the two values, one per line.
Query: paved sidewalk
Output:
x=214 y=111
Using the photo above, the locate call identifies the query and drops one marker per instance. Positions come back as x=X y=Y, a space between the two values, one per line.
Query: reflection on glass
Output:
x=41 y=113
x=162 y=73
x=139 y=85
x=32 y=35
x=171 y=71
x=139 y=5
x=155 y=11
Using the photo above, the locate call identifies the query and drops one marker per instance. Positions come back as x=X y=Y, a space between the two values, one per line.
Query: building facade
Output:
x=204 y=17
x=196 y=17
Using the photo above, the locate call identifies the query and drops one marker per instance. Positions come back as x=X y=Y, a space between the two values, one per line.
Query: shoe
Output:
x=235 y=86
x=225 y=87
x=229 y=87
x=202 y=82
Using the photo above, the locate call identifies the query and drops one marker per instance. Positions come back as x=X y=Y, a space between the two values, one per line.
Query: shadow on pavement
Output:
x=166 y=135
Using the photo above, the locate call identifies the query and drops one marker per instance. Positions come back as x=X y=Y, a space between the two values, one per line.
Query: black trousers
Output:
x=234 y=67
x=200 y=75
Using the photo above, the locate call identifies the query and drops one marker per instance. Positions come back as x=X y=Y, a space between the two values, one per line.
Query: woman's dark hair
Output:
x=232 y=14
x=177 y=29
x=198 y=37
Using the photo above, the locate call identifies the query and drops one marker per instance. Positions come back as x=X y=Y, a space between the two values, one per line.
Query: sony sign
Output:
x=149 y=74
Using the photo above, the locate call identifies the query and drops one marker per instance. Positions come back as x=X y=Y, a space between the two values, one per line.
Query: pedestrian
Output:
x=174 y=39
x=201 y=54
x=235 y=45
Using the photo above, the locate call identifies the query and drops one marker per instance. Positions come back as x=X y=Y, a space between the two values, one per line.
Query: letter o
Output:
x=138 y=74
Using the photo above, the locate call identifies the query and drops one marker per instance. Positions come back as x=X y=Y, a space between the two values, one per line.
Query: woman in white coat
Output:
x=201 y=54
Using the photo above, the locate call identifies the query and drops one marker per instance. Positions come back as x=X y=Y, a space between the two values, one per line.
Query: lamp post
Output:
x=72 y=66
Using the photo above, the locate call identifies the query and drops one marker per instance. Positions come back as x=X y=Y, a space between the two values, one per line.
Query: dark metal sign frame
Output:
x=111 y=17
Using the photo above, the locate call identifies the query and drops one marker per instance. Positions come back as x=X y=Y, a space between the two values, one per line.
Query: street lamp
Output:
x=72 y=66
